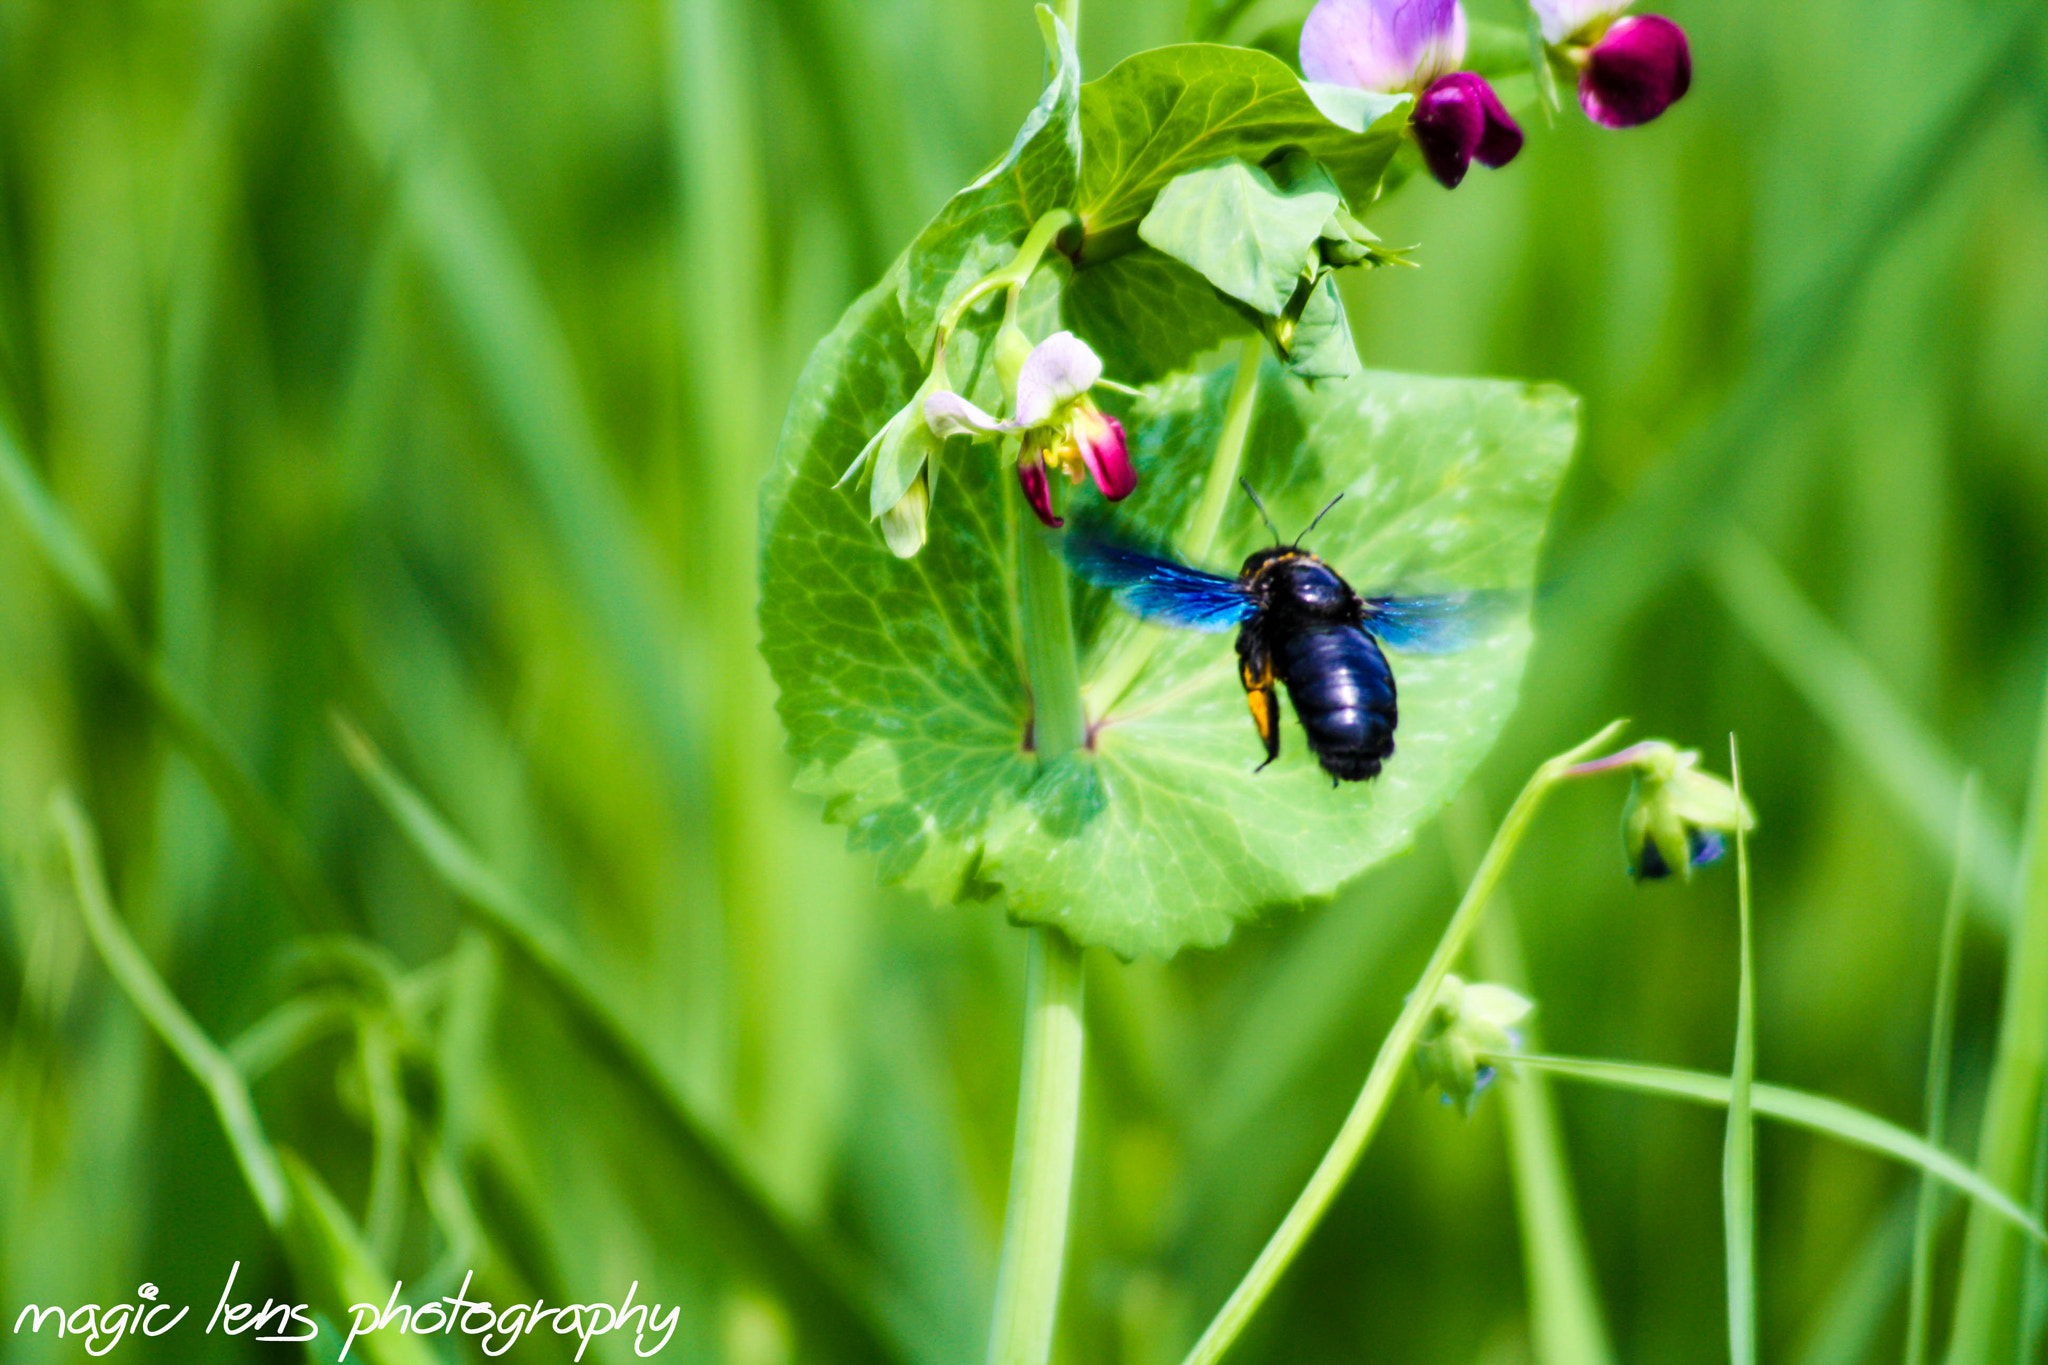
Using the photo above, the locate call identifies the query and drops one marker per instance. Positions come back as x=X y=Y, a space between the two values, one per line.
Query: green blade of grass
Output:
x=1800 y=1108
x=1394 y=1054
x=1940 y=1044
x=2034 y=1278
x=328 y=1253
x=808 y=1277
x=187 y=1041
x=524 y=360
x=276 y=844
x=1681 y=504
x=1988 y=1308
x=1902 y=759
x=1738 y=1159
x=1847 y=1327
x=1566 y=1325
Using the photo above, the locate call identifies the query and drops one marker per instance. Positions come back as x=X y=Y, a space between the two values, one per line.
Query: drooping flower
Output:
x=1459 y=120
x=1414 y=45
x=1062 y=427
x=1677 y=817
x=1465 y=1020
x=1631 y=68
x=1386 y=45
x=898 y=461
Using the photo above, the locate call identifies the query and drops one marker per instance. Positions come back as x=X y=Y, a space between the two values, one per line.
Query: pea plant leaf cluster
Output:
x=1194 y=197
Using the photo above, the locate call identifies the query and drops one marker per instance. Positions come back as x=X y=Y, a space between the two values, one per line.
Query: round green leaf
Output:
x=902 y=684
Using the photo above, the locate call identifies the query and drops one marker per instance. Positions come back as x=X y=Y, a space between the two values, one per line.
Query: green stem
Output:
x=1539 y=67
x=1012 y=276
x=1988 y=1294
x=1042 y=1164
x=1940 y=1043
x=1393 y=1056
x=1134 y=651
x=186 y=1040
x=1815 y=1113
x=1059 y=720
x=1069 y=12
x=1738 y=1154
x=1229 y=457
x=1565 y=1323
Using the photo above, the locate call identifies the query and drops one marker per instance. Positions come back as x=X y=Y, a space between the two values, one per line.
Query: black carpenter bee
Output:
x=1300 y=624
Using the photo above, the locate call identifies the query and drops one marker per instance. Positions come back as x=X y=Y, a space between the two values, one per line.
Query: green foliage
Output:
x=1803 y=1109
x=903 y=693
x=1261 y=243
x=1240 y=231
x=1147 y=315
x=429 y=371
x=1162 y=113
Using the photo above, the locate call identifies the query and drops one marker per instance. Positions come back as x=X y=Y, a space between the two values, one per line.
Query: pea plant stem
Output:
x=1049 y=1094
x=1012 y=276
x=1042 y=1164
x=1130 y=655
x=1371 y=1106
x=1059 y=722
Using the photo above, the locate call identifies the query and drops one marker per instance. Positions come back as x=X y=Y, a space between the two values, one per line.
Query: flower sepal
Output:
x=895 y=466
x=1466 y=1020
x=1677 y=817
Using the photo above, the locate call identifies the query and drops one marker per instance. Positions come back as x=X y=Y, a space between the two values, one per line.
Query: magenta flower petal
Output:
x=1501 y=140
x=1384 y=45
x=1459 y=117
x=1038 y=488
x=1104 y=451
x=1637 y=70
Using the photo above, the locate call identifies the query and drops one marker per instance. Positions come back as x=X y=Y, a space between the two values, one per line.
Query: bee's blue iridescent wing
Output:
x=1159 y=589
x=1437 y=625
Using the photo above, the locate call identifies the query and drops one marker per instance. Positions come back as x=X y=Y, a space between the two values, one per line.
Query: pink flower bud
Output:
x=1459 y=118
x=1037 y=488
x=1104 y=451
x=1638 y=69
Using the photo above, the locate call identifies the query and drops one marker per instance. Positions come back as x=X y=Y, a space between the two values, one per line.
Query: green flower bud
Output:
x=1464 y=1021
x=1013 y=348
x=897 y=466
x=1676 y=815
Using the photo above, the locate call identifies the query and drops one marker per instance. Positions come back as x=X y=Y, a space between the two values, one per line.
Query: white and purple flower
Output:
x=1061 y=426
x=1632 y=67
x=1414 y=45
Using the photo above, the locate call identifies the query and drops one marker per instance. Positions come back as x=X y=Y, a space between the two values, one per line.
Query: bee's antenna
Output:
x=1319 y=517
x=1268 y=516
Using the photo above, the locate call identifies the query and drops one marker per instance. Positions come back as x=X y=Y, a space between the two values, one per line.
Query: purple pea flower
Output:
x=1063 y=429
x=1459 y=120
x=1631 y=67
x=1414 y=45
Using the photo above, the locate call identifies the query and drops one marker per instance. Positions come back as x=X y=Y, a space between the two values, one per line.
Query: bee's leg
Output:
x=1255 y=671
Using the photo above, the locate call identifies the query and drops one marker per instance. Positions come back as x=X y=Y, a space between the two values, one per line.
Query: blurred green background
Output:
x=418 y=362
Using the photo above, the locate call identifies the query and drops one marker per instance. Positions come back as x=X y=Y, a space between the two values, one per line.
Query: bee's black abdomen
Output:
x=1343 y=694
